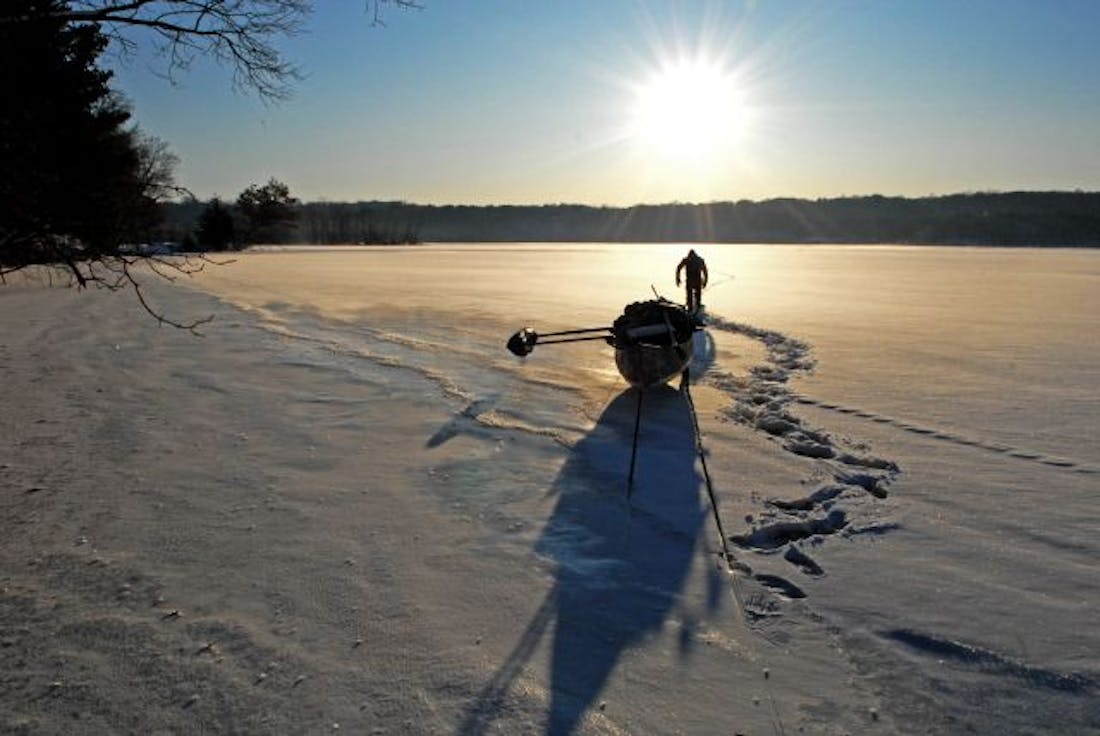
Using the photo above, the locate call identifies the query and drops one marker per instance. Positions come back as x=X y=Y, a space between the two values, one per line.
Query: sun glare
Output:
x=688 y=109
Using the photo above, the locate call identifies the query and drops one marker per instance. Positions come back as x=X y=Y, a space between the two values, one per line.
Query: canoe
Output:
x=653 y=341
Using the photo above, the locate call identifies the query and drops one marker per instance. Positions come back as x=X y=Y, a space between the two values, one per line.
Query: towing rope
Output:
x=733 y=567
x=726 y=554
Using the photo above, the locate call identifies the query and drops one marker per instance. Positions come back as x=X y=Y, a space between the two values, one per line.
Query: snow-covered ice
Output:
x=904 y=444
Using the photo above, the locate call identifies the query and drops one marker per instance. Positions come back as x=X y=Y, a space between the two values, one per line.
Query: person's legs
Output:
x=695 y=296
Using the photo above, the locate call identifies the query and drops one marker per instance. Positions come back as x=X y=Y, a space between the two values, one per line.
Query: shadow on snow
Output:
x=621 y=563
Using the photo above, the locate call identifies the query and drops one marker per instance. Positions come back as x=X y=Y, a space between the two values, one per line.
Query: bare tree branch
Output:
x=374 y=7
x=191 y=327
x=240 y=33
x=117 y=273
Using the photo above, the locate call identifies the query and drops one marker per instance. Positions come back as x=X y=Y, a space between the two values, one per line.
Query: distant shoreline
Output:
x=1009 y=219
x=366 y=246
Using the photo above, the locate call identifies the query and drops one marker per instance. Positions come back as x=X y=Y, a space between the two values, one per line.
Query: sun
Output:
x=688 y=109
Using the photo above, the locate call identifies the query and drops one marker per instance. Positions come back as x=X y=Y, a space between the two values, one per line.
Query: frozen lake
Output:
x=999 y=344
x=904 y=441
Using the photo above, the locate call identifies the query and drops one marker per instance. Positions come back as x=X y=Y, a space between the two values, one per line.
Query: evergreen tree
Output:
x=268 y=212
x=216 y=230
x=75 y=182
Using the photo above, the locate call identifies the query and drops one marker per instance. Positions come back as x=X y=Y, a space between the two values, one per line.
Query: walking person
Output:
x=695 y=269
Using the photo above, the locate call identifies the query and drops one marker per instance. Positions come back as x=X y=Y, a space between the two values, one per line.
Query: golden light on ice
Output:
x=689 y=109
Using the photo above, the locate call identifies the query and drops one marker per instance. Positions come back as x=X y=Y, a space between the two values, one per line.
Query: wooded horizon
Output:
x=1040 y=218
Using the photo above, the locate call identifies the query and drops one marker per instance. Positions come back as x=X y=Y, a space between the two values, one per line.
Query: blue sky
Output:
x=510 y=101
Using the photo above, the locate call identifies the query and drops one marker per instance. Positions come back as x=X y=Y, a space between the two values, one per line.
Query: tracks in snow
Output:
x=952 y=437
x=852 y=481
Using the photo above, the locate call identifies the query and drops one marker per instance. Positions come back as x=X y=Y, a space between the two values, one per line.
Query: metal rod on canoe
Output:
x=574 y=332
x=571 y=339
x=524 y=341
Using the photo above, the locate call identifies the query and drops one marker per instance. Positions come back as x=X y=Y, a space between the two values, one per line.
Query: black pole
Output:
x=634 y=446
x=574 y=332
x=571 y=339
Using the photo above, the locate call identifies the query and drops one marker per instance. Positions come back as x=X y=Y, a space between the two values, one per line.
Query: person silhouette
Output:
x=695 y=269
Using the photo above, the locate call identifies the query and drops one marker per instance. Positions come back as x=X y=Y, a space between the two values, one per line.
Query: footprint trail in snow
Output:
x=852 y=481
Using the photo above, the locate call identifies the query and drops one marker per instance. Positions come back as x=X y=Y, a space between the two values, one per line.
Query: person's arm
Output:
x=705 y=275
x=679 y=269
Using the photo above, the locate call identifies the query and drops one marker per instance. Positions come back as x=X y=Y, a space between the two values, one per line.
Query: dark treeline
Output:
x=1013 y=218
x=361 y=222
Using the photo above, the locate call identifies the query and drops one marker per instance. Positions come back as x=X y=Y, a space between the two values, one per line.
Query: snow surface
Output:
x=903 y=443
x=937 y=407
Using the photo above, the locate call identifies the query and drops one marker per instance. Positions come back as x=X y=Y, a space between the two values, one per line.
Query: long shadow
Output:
x=621 y=563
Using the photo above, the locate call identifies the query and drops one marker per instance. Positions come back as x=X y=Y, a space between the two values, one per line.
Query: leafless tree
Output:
x=241 y=34
x=156 y=167
x=41 y=253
